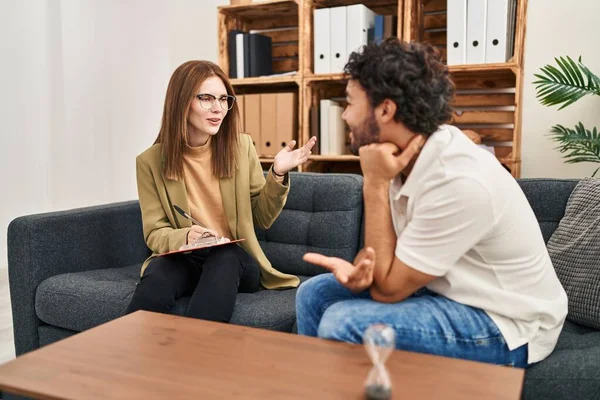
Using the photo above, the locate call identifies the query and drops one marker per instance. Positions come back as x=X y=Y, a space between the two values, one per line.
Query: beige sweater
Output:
x=204 y=194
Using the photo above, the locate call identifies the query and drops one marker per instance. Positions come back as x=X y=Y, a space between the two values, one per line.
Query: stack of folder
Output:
x=327 y=125
x=270 y=119
x=480 y=31
x=338 y=31
x=249 y=54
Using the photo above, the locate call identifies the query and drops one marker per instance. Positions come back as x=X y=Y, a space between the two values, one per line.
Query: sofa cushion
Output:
x=83 y=300
x=574 y=248
x=323 y=213
x=548 y=199
x=571 y=371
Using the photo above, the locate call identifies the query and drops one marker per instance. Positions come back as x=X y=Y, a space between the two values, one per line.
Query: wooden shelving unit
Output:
x=488 y=96
x=490 y=93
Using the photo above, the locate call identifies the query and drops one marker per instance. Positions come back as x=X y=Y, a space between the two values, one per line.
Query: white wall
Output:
x=557 y=28
x=83 y=85
x=193 y=30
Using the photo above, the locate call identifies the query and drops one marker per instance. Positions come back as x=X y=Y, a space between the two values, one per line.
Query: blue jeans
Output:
x=425 y=322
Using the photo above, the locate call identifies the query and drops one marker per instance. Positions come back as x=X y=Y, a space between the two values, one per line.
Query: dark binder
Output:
x=232 y=50
x=259 y=54
x=247 y=55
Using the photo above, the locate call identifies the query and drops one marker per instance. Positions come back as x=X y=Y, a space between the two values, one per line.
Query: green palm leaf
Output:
x=565 y=84
x=578 y=144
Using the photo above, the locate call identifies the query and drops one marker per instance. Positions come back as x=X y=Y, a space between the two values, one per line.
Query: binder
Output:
x=324 y=105
x=378 y=33
x=512 y=20
x=476 y=30
x=286 y=119
x=338 y=55
x=314 y=128
x=456 y=48
x=321 y=41
x=239 y=99
x=252 y=119
x=359 y=19
x=496 y=47
x=337 y=129
x=232 y=52
x=268 y=124
x=259 y=55
x=242 y=55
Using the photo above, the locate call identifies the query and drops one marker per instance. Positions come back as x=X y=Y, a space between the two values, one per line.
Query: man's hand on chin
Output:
x=382 y=162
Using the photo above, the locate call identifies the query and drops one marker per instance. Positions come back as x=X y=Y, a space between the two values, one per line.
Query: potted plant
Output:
x=564 y=85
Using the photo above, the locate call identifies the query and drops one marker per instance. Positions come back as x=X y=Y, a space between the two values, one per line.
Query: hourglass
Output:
x=380 y=341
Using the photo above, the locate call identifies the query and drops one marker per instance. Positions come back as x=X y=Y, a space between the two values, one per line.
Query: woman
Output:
x=201 y=163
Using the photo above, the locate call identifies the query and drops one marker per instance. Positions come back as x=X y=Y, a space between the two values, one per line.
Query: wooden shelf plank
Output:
x=267 y=80
x=271 y=9
x=338 y=78
x=453 y=69
x=492 y=67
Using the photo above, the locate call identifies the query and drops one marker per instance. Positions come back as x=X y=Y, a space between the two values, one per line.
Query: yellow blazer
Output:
x=248 y=199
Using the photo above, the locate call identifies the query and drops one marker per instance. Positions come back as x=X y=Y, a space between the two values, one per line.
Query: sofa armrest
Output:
x=49 y=244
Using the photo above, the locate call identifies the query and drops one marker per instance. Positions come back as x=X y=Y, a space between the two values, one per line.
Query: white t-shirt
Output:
x=462 y=217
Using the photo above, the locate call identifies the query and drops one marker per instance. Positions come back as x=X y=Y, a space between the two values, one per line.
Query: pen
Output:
x=188 y=216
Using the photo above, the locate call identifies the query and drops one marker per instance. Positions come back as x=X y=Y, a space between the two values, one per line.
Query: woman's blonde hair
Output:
x=182 y=89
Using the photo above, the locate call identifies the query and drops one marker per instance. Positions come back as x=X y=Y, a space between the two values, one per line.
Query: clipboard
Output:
x=202 y=247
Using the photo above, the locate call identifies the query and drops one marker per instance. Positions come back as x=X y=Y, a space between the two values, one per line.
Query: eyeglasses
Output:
x=208 y=100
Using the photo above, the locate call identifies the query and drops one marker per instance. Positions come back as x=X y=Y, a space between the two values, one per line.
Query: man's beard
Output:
x=366 y=133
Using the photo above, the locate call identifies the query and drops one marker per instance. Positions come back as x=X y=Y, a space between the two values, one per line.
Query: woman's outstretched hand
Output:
x=288 y=158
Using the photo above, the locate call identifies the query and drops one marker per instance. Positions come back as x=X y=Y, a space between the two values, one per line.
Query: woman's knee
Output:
x=163 y=268
x=163 y=278
x=225 y=257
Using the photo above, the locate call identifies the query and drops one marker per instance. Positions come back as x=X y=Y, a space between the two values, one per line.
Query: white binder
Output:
x=496 y=46
x=359 y=19
x=337 y=129
x=456 y=45
x=324 y=126
x=512 y=27
x=476 y=21
x=337 y=34
x=239 y=55
x=321 y=41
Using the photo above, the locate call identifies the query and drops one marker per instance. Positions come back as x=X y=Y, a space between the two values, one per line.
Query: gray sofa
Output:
x=73 y=270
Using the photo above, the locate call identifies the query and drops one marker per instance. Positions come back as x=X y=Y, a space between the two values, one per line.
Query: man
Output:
x=454 y=260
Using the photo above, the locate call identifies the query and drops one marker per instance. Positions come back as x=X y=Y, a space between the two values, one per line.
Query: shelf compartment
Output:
x=272 y=119
x=380 y=7
x=280 y=20
x=426 y=21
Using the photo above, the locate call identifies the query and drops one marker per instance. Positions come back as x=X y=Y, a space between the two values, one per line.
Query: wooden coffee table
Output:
x=154 y=356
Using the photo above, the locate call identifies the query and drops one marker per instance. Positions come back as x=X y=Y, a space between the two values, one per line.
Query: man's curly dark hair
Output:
x=412 y=75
